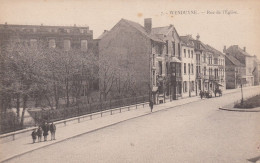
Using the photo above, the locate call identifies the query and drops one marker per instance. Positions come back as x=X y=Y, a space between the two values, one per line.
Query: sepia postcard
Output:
x=133 y=81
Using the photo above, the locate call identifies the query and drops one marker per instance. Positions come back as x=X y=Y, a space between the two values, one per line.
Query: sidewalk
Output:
x=24 y=145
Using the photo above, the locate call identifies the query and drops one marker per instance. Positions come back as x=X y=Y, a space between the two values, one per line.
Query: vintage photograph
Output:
x=120 y=81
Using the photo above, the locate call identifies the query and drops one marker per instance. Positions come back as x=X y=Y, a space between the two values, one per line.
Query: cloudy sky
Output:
x=208 y=18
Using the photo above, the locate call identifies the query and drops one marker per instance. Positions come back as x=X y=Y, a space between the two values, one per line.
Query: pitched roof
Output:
x=234 y=60
x=102 y=35
x=215 y=51
x=238 y=49
x=142 y=30
x=187 y=40
x=162 y=30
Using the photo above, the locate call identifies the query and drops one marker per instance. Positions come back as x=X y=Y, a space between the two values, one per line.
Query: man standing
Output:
x=151 y=105
x=39 y=134
x=45 y=129
x=53 y=130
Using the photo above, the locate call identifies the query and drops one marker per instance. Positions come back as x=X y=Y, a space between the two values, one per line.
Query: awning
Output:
x=219 y=84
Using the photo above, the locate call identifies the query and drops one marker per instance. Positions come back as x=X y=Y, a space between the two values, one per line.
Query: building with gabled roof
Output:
x=235 y=72
x=244 y=58
x=172 y=78
x=129 y=64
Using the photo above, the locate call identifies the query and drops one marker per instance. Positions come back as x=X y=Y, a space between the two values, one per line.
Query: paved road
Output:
x=195 y=132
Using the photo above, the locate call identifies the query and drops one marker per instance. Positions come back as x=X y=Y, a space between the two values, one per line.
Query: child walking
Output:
x=34 y=135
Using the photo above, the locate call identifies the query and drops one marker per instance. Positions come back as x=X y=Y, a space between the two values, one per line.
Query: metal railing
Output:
x=24 y=132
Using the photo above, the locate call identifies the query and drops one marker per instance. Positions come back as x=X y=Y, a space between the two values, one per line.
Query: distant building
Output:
x=244 y=58
x=216 y=64
x=60 y=37
x=235 y=72
x=64 y=37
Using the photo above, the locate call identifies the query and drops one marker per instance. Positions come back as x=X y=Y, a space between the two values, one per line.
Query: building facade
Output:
x=130 y=55
x=172 y=77
x=244 y=58
x=235 y=72
x=188 y=56
x=64 y=37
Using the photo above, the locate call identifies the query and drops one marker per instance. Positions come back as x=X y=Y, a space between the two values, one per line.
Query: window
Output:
x=153 y=77
x=185 y=86
x=189 y=53
x=84 y=45
x=189 y=68
x=52 y=43
x=179 y=49
x=192 y=68
x=33 y=42
x=66 y=45
x=205 y=70
x=173 y=48
x=192 y=54
x=153 y=59
x=184 y=68
x=184 y=50
x=215 y=61
x=167 y=50
x=160 y=67
x=192 y=86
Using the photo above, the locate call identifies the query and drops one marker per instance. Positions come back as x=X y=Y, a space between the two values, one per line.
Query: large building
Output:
x=132 y=60
x=65 y=37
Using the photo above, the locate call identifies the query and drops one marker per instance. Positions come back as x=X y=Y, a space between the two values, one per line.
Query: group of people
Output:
x=44 y=131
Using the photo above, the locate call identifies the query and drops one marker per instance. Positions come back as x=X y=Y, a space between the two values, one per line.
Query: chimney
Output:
x=148 y=25
x=225 y=48
x=244 y=49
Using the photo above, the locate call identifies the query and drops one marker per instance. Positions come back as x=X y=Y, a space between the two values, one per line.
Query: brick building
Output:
x=131 y=60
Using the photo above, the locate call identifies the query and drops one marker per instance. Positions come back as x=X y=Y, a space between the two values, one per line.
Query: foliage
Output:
x=249 y=103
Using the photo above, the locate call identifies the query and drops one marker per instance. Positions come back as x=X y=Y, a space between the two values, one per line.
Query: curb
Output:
x=240 y=110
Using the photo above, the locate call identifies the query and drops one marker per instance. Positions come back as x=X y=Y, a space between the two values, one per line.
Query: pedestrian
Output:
x=39 y=134
x=45 y=129
x=53 y=130
x=201 y=94
x=34 y=135
x=151 y=105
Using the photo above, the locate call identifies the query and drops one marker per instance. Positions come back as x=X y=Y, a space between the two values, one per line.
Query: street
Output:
x=194 y=132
